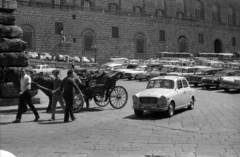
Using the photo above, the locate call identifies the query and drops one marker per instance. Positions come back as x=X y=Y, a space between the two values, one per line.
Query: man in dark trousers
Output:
x=25 y=97
x=67 y=87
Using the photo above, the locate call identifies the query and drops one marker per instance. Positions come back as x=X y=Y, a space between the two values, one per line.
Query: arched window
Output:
x=160 y=7
x=88 y=43
x=29 y=36
x=215 y=13
x=180 y=8
x=198 y=10
x=183 y=44
x=231 y=16
x=140 y=46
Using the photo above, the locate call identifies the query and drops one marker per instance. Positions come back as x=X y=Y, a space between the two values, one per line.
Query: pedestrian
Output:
x=25 y=96
x=73 y=65
x=57 y=95
x=67 y=87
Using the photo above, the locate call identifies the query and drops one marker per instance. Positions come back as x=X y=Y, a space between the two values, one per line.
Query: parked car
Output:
x=196 y=78
x=85 y=60
x=162 y=71
x=209 y=81
x=60 y=57
x=147 y=73
x=230 y=82
x=136 y=72
x=110 y=67
x=164 y=93
x=77 y=59
x=185 y=71
x=34 y=54
x=125 y=68
x=43 y=68
x=46 y=56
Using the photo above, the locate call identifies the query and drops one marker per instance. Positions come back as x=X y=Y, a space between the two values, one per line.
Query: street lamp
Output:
x=95 y=52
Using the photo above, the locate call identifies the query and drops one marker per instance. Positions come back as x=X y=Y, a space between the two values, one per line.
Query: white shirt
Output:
x=24 y=82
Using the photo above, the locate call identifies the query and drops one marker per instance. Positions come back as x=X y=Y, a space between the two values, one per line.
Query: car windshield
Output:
x=181 y=70
x=139 y=69
x=36 y=67
x=220 y=73
x=108 y=68
x=200 y=71
x=161 y=83
x=131 y=66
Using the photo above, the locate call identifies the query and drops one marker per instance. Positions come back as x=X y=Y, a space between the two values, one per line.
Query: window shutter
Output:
x=134 y=9
x=82 y=3
x=117 y=7
x=109 y=6
x=90 y=4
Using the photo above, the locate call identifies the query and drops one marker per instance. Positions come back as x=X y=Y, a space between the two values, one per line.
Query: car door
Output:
x=186 y=92
x=44 y=69
x=179 y=94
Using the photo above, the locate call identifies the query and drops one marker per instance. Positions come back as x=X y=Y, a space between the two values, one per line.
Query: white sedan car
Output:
x=164 y=93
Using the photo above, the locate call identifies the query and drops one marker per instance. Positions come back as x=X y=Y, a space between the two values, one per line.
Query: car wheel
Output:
x=207 y=87
x=129 y=78
x=218 y=86
x=171 y=109
x=226 y=89
x=195 y=84
x=140 y=79
x=136 y=77
x=138 y=113
x=191 y=105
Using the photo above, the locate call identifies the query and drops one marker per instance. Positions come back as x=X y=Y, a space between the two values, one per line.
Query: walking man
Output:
x=67 y=87
x=57 y=95
x=25 y=96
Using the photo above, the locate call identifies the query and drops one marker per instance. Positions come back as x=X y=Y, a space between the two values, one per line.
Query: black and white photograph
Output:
x=119 y=78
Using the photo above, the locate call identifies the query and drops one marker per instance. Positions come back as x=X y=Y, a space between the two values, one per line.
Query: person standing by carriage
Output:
x=57 y=95
x=25 y=97
x=67 y=87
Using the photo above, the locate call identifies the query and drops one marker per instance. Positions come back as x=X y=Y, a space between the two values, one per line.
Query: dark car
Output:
x=196 y=79
x=214 y=80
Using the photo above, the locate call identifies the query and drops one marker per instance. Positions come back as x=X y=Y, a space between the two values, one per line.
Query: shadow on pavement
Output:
x=229 y=92
x=14 y=111
x=154 y=115
x=6 y=123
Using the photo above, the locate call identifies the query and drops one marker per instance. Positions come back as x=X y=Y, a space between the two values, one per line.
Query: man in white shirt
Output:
x=25 y=96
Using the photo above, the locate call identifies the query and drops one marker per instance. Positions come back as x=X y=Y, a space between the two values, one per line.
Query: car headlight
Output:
x=135 y=98
x=163 y=98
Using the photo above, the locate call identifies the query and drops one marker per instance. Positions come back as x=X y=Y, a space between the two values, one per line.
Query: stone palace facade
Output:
x=129 y=28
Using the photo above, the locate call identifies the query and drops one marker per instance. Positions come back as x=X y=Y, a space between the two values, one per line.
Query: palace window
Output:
x=112 y=6
x=137 y=9
x=58 y=28
x=201 y=39
x=215 y=13
x=87 y=3
x=231 y=16
x=160 y=7
x=198 y=10
x=28 y=36
x=180 y=8
x=183 y=44
x=233 y=41
x=115 y=32
x=88 y=40
x=140 y=43
x=162 y=35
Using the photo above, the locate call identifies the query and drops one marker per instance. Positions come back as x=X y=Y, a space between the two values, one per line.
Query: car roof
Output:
x=167 y=77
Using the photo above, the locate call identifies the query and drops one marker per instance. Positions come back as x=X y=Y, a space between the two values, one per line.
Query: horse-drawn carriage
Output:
x=103 y=90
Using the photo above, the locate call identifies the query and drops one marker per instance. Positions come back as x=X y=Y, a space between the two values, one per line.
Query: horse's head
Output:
x=43 y=80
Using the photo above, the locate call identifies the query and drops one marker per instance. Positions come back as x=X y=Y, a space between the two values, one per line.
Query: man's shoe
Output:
x=36 y=119
x=52 y=119
x=16 y=121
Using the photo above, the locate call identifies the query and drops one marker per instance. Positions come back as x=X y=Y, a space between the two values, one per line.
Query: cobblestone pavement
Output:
x=212 y=129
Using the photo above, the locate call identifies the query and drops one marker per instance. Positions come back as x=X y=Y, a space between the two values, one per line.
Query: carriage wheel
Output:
x=100 y=100
x=78 y=103
x=118 y=97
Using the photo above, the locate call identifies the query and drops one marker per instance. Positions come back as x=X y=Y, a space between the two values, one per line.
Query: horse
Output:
x=39 y=81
